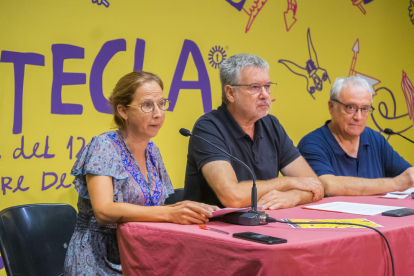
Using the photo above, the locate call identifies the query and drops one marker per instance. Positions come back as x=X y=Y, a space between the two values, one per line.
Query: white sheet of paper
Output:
x=353 y=208
x=406 y=192
x=391 y=195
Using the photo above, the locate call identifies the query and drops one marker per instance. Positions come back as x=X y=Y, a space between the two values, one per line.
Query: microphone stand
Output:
x=253 y=216
x=404 y=137
x=391 y=132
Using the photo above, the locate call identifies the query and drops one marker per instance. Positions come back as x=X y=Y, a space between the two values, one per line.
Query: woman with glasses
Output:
x=120 y=177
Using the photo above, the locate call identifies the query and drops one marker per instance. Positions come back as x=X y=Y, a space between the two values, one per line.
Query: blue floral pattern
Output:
x=93 y=249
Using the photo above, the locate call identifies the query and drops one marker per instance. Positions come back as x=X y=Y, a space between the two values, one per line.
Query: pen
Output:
x=213 y=229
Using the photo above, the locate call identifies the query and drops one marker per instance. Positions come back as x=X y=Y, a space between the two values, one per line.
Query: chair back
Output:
x=34 y=238
x=177 y=196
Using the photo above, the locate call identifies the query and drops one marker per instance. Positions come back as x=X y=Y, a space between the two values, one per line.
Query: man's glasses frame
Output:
x=148 y=106
x=256 y=88
x=353 y=108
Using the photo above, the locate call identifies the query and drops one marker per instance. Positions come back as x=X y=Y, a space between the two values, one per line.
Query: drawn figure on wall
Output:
x=252 y=9
x=101 y=2
x=314 y=74
x=358 y=3
x=408 y=90
x=216 y=56
x=387 y=113
x=290 y=13
x=411 y=11
x=352 y=72
x=385 y=116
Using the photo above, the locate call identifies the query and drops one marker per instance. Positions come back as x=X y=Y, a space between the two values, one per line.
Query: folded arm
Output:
x=305 y=187
x=294 y=188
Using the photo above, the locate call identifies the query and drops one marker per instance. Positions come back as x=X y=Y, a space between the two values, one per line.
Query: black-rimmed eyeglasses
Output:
x=353 y=108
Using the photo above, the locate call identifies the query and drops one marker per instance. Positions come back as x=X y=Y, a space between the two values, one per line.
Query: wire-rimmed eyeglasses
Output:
x=256 y=88
x=148 y=106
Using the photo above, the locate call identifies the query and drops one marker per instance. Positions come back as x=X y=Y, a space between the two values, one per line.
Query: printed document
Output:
x=353 y=208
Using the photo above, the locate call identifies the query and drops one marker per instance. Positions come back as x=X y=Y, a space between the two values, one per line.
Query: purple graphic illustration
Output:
x=389 y=113
x=1 y=263
x=238 y=6
x=290 y=13
x=252 y=9
x=314 y=74
x=411 y=11
x=358 y=3
x=216 y=56
x=101 y=2
x=352 y=72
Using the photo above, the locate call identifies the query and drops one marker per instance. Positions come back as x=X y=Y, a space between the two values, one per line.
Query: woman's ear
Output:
x=122 y=111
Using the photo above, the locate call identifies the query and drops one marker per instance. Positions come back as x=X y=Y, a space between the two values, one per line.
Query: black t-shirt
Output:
x=269 y=152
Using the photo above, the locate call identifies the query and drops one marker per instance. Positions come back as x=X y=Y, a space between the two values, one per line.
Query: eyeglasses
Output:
x=256 y=88
x=352 y=108
x=149 y=106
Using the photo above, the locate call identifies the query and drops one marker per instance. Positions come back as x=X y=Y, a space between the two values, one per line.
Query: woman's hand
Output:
x=190 y=212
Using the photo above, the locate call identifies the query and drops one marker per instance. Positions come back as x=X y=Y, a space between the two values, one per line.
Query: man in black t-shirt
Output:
x=242 y=127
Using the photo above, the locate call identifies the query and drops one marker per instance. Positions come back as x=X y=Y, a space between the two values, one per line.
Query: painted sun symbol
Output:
x=216 y=56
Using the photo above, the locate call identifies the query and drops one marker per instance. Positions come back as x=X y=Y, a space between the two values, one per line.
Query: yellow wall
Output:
x=385 y=34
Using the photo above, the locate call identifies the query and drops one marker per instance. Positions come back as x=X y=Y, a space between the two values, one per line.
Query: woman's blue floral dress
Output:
x=93 y=249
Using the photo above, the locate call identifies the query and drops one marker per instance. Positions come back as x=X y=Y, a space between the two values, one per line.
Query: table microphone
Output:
x=252 y=217
x=390 y=132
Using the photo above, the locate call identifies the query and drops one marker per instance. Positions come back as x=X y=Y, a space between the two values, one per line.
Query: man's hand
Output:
x=190 y=212
x=405 y=180
x=309 y=184
x=278 y=200
x=301 y=177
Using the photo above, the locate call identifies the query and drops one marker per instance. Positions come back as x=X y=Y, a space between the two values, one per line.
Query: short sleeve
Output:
x=288 y=151
x=162 y=172
x=99 y=157
x=394 y=164
x=203 y=152
x=314 y=150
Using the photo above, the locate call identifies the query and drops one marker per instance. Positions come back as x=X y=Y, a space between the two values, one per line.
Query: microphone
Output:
x=253 y=216
x=186 y=132
x=391 y=132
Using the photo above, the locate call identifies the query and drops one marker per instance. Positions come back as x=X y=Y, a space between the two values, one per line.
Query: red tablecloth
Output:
x=171 y=249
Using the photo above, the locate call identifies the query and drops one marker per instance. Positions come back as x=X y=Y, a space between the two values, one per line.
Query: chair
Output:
x=34 y=238
x=177 y=196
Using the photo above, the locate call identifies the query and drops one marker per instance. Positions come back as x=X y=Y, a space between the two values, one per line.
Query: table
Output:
x=171 y=249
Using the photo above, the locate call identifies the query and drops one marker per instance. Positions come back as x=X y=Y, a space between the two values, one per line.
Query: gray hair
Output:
x=355 y=81
x=230 y=70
